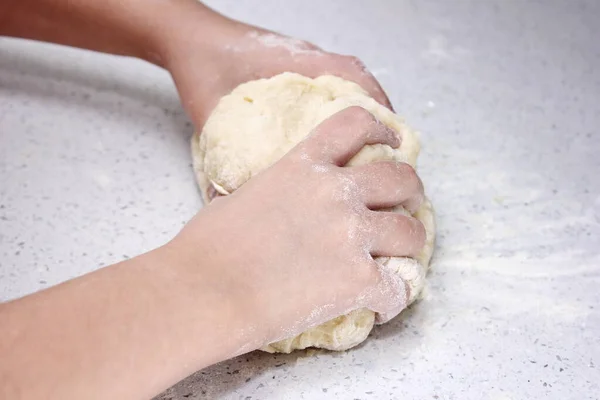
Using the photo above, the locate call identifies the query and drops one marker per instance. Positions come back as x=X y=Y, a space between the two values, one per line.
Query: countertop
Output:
x=95 y=168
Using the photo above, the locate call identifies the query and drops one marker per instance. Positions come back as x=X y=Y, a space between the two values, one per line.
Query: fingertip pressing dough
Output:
x=257 y=124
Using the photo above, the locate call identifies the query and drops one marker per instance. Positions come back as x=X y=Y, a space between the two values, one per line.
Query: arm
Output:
x=136 y=28
x=132 y=329
x=206 y=53
x=123 y=332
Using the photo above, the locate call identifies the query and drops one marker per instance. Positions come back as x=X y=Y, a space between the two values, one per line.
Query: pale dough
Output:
x=258 y=123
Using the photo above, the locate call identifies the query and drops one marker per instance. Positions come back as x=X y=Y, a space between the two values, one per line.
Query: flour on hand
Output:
x=257 y=124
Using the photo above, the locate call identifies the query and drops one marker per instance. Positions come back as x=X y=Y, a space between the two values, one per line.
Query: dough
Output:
x=258 y=123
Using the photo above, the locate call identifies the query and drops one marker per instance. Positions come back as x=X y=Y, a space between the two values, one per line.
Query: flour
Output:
x=284 y=111
x=321 y=168
x=291 y=45
x=294 y=46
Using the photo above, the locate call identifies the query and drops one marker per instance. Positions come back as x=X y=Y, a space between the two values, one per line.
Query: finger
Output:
x=353 y=69
x=387 y=184
x=341 y=136
x=395 y=307
x=396 y=235
x=387 y=294
x=346 y=67
x=368 y=82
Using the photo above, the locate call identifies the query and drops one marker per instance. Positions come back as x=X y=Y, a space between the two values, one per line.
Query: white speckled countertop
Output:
x=95 y=167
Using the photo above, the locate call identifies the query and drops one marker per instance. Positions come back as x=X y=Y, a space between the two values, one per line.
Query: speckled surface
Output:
x=95 y=167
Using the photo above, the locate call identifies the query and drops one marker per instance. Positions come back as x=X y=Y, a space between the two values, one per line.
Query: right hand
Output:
x=295 y=244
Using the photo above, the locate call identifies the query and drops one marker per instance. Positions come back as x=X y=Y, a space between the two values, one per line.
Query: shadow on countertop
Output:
x=48 y=73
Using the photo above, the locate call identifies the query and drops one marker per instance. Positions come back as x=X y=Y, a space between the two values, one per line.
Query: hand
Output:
x=300 y=252
x=240 y=53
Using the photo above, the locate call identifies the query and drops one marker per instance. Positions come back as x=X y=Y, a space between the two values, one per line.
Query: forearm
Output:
x=137 y=28
x=126 y=331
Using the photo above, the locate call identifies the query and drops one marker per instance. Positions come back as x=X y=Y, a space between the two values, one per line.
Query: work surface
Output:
x=95 y=168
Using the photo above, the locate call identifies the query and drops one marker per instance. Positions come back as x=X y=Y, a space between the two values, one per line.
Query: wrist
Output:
x=191 y=29
x=212 y=290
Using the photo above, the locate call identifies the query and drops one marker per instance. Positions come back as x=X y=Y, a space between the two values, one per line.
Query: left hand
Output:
x=238 y=53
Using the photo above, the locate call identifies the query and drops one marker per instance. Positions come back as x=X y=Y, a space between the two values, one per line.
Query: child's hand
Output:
x=295 y=244
x=204 y=69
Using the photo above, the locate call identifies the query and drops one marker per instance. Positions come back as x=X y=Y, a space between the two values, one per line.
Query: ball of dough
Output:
x=257 y=124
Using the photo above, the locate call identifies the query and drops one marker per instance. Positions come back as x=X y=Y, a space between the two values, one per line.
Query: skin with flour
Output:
x=132 y=329
x=277 y=114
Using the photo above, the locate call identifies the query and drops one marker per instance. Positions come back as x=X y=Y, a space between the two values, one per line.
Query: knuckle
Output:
x=359 y=116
